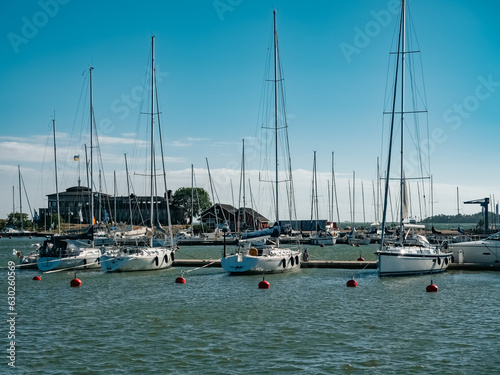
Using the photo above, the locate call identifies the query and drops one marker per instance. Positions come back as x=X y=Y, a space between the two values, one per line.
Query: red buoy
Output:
x=352 y=283
x=75 y=282
x=180 y=280
x=322 y=245
x=264 y=284
x=37 y=278
x=361 y=259
x=431 y=288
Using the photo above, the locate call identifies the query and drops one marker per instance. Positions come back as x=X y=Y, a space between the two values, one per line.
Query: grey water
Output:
x=308 y=322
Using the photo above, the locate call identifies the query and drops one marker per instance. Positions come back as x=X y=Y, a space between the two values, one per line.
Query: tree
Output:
x=14 y=219
x=201 y=200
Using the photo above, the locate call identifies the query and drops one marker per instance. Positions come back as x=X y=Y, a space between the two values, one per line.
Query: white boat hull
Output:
x=403 y=262
x=273 y=261
x=484 y=252
x=323 y=241
x=358 y=241
x=86 y=259
x=147 y=259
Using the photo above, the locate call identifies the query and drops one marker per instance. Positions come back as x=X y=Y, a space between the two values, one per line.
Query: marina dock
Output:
x=340 y=264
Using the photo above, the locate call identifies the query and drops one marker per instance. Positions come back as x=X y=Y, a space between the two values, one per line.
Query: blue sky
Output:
x=210 y=57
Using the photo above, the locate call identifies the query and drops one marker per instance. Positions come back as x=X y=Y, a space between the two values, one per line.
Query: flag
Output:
x=76 y=158
x=106 y=216
x=35 y=216
x=93 y=219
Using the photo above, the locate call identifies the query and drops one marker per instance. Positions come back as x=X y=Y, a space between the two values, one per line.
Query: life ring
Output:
x=253 y=252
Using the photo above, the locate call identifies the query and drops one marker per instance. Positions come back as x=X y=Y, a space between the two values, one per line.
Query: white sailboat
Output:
x=409 y=254
x=63 y=252
x=119 y=258
x=267 y=258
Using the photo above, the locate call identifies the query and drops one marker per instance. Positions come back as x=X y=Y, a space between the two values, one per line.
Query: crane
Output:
x=484 y=203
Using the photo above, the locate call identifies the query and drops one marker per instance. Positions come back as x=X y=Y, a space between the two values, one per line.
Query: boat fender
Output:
x=297 y=259
x=439 y=261
x=253 y=252
x=156 y=261
x=284 y=263
x=292 y=261
x=173 y=256
x=446 y=261
x=166 y=258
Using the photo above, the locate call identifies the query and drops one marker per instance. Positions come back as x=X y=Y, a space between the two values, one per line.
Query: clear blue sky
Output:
x=211 y=55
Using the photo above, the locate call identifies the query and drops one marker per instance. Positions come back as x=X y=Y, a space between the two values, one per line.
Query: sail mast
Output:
x=91 y=156
x=152 y=130
x=402 y=180
x=276 y=112
x=20 y=198
x=55 y=170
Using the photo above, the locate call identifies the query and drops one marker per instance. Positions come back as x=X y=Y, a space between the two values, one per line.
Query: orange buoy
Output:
x=180 y=280
x=75 y=282
x=431 y=288
x=37 y=278
x=264 y=284
x=352 y=283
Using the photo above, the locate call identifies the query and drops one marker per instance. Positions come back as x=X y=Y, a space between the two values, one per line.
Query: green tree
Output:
x=201 y=200
x=14 y=219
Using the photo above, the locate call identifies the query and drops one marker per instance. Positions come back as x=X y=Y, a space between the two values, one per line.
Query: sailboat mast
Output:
x=402 y=181
x=20 y=198
x=243 y=167
x=129 y=198
x=55 y=170
x=276 y=112
x=152 y=129
x=91 y=152
x=192 y=196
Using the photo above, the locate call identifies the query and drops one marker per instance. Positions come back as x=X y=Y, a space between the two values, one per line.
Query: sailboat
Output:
x=320 y=236
x=67 y=252
x=119 y=258
x=268 y=258
x=410 y=253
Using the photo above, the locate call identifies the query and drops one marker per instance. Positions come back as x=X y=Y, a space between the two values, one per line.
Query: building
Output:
x=74 y=207
x=225 y=214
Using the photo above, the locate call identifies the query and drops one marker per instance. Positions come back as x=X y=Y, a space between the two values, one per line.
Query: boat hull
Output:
x=275 y=262
x=145 y=260
x=398 y=263
x=484 y=252
x=86 y=259
x=323 y=241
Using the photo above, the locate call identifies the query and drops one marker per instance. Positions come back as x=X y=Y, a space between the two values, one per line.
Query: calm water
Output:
x=308 y=322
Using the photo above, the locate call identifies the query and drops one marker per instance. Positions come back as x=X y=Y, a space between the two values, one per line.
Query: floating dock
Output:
x=346 y=264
